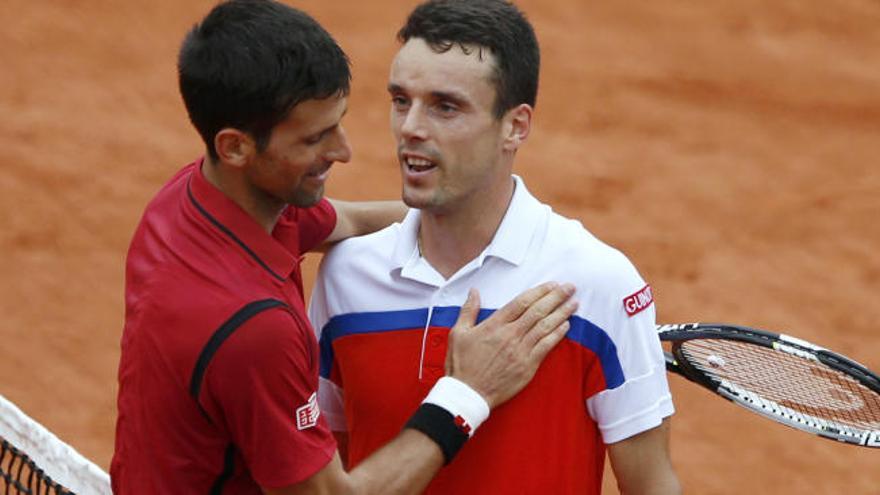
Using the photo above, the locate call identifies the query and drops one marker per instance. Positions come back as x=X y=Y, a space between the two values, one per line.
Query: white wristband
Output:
x=461 y=401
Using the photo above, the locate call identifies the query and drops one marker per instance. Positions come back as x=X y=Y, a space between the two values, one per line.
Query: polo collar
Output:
x=510 y=243
x=406 y=250
x=236 y=225
x=514 y=235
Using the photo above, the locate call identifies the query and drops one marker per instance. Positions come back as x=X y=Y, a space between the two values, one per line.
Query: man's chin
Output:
x=418 y=201
x=306 y=199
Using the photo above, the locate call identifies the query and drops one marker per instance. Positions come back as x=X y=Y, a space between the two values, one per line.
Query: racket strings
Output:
x=802 y=386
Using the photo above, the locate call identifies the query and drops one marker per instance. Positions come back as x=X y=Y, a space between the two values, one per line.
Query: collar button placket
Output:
x=429 y=364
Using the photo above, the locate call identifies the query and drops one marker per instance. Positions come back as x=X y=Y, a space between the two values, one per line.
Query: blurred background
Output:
x=730 y=148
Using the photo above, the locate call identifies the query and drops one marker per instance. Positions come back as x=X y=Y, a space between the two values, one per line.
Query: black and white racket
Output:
x=783 y=378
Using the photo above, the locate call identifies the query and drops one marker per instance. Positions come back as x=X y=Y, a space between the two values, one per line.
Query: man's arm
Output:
x=642 y=465
x=404 y=465
x=354 y=218
x=496 y=358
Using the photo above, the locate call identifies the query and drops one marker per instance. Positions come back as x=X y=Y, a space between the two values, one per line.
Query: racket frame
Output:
x=681 y=332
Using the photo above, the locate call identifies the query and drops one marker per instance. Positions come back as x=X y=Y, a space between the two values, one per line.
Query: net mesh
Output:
x=800 y=384
x=34 y=461
x=20 y=474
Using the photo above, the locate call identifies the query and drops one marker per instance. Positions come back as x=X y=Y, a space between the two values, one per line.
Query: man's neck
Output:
x=230 y=182
x=450 y=240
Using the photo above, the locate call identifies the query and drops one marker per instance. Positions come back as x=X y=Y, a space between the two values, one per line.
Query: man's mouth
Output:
x=320 y=173
x=418 y=164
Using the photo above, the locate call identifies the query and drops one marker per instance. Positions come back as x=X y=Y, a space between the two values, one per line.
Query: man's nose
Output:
x=341 y=149
x=414 y=124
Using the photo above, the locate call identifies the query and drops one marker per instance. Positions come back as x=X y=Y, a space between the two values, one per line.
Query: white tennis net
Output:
x=35 y=461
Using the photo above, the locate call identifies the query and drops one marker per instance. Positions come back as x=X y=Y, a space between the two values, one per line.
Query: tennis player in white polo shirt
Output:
x=462 y=90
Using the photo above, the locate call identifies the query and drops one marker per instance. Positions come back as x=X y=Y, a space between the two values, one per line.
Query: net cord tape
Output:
x=57 y=459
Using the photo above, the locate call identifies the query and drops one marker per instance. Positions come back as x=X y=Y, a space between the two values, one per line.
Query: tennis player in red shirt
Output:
x=219 y=367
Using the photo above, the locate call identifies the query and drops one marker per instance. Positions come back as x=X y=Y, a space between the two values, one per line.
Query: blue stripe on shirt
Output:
x=582 y=331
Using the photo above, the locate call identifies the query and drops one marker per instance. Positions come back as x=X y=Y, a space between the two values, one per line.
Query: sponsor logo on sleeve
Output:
x=307 y=414
x=636 y=303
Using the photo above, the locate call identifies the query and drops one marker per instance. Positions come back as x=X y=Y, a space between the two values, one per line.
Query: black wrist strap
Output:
x=439 y=425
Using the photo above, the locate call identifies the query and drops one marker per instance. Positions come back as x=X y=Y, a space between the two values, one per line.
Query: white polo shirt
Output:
x=383 y=313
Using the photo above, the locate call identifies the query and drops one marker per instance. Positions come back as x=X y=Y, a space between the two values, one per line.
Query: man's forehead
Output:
x=317 y=113
x=417 y=59
x=417 y=49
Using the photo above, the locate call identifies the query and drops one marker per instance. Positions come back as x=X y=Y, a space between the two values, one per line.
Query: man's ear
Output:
x=517 y=125
x=234 y=146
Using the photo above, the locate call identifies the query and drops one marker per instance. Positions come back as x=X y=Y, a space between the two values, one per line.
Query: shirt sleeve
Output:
x=643 y=399
x=315 y=224
x=640 y=398
x=330 y=391
x=264 y=382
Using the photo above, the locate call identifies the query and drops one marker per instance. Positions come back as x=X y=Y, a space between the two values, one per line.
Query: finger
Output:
x=549 y=341
x=521 y=303
x=549 y=323
x=449 y=364
x=467 y=317
x=546 y=307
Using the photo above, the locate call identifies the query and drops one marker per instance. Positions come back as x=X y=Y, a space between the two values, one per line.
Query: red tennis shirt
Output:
x=219 y=364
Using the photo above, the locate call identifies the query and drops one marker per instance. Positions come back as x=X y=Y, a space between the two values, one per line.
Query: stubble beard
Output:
x=304 y=199
x=433 y=201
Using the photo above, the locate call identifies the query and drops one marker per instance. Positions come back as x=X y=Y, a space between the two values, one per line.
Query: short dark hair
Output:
x=494 y=24
x=248 y=63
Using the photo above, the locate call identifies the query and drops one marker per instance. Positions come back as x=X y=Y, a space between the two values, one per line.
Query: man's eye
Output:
x=398 y=101
x=447 y=107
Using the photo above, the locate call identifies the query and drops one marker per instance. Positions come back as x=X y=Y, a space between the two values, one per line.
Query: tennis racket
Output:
x=783 y=378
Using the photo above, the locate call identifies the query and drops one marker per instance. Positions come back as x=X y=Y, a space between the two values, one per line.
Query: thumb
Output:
x=467 y=317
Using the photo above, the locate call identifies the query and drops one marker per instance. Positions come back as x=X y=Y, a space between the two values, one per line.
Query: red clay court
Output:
x=730 y=148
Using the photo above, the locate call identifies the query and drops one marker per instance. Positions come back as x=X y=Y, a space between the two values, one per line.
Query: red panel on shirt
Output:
x=552 y=437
